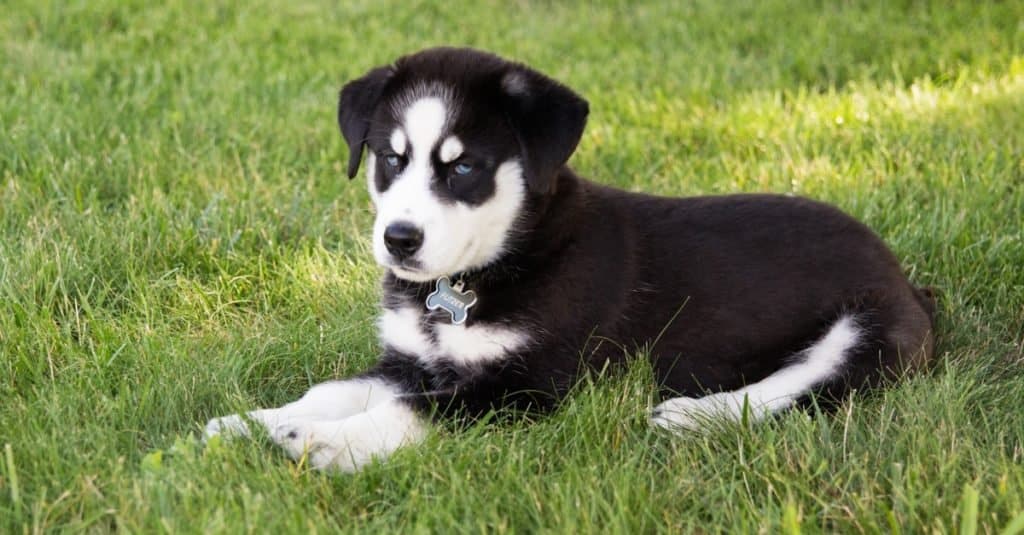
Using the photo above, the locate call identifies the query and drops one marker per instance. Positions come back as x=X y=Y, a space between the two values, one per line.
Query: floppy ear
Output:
x=355 y=108
x=548 y=119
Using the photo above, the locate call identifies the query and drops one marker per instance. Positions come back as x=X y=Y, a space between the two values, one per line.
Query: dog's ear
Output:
x=548 y=119
x=356 y=104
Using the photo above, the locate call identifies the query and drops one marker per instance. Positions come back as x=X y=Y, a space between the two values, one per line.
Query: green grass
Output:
x=177 y=242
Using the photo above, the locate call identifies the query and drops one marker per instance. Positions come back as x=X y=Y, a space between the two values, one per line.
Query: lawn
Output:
x=178 y=241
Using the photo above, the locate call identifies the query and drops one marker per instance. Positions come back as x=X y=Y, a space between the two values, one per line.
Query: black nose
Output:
x=402 y=239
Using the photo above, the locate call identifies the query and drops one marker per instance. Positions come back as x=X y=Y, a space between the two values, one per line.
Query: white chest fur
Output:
x=404 y=330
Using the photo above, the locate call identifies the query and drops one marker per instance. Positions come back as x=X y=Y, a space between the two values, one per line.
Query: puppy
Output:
x=503 y=270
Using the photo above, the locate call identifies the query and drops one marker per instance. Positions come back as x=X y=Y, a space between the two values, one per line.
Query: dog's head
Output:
x=459 y=142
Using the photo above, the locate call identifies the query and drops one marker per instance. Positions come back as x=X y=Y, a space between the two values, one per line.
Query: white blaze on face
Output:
x=456 y=236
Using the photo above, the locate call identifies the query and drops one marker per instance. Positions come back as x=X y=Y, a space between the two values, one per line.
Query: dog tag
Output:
x=452 y=299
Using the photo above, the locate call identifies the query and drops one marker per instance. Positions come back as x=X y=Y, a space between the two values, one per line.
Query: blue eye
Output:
x=462 y=169
x=392 y=160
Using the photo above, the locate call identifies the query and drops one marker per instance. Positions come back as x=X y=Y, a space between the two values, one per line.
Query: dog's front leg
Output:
x=338 y=424
x=350 y=443
x=333 y=400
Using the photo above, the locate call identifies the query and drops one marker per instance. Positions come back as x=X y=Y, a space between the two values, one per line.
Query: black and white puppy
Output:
x=504 y=271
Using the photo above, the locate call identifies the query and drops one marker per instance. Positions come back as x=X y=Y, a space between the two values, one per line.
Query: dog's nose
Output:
x=403 y=239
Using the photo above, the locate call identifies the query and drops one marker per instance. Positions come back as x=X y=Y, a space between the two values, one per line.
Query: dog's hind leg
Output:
x=819 y=364
x=332 y=400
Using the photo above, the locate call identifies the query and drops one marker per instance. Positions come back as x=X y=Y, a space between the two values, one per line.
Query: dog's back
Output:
x=724 y=291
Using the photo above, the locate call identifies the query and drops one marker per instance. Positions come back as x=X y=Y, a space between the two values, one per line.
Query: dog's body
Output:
x=748 y=300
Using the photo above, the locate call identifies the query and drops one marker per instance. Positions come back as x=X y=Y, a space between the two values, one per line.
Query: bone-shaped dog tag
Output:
x=452 y=299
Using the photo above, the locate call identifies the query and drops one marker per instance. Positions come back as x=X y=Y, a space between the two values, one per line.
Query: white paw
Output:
x=323 y=444
x=353 y=442
x=228 y=426
x=688 y=414
x=295 y=438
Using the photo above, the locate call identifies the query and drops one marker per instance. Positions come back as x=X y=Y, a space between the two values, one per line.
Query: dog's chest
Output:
x=407 y=329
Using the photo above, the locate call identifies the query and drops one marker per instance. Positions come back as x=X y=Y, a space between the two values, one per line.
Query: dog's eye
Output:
x=393 y=160
x=462 y=169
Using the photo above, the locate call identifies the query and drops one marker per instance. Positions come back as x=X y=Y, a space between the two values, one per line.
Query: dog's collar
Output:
x=451 y=298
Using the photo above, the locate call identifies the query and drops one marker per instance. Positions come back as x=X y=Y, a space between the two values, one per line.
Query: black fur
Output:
x=721 y=291
x=355 y=104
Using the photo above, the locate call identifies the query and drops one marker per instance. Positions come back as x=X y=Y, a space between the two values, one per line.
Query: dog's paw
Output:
x=294 y=438
x=687 y=414
x=226 y=426
x=325 y=445
x=350 y=443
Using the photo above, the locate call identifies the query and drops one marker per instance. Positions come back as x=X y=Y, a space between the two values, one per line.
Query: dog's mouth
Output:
x=409 y=265
x=414 y=270
x=405 y=264
x=408 y=269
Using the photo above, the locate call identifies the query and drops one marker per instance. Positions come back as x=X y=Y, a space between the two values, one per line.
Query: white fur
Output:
x=398 y=141
x=339 y=424
x=488 y=225
x=325 y=401
x=477 y=344
x=425 y=121
x=451 y=149
x=401 y=330
x=457 y=237
x=351 y=443
x=773 y=393
x=469 y=345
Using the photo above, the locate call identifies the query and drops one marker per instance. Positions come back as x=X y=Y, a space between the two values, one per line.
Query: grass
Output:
x=177 y=242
